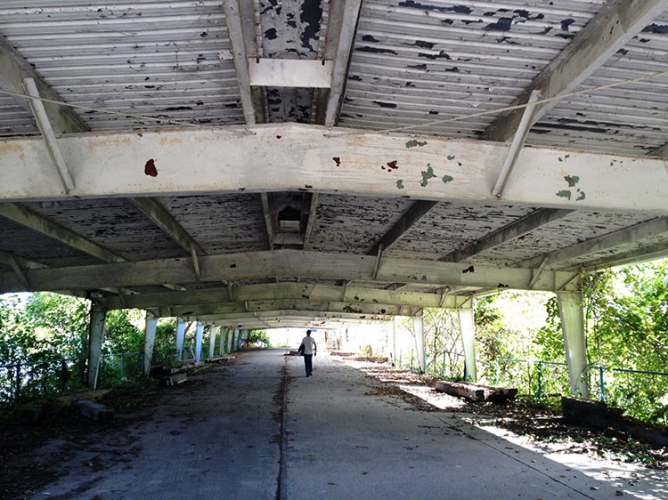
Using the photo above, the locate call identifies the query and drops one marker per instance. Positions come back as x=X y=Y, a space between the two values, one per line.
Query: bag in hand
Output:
x=301 y=350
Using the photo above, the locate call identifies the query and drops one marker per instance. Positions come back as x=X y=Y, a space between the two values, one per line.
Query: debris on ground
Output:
x=542 y=425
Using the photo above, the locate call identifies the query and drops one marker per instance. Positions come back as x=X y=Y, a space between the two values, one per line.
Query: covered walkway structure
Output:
x=261 y=164
x=235 y=433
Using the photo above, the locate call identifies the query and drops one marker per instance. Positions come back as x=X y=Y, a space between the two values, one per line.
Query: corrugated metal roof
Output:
x=412 y=62
x=168 y=60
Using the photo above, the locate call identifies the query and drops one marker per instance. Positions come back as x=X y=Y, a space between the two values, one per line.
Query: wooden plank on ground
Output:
x=477 y=392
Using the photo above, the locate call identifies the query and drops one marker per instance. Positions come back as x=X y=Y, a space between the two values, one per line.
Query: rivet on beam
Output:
x=45 y=128
x=517 y=144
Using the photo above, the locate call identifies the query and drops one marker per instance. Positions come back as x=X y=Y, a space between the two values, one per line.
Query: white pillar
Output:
x=223 y=333
x=467 y=326
x=213 y=330
x=198 y=341
x=230 y=340
x=392 y=331
x=180 y=336
x=418 y=325
x=149 y=340
x=572 y=325
x=98 y=317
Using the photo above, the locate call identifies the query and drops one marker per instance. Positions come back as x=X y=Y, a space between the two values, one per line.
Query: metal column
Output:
x=198 y=341
x=467 y=326
x=180 y=336
x=149 y=340
x=572 y=324
x=98 y=316
x=418 y=324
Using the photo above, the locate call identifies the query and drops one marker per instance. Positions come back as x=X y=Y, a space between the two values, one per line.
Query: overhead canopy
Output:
x=307 y=161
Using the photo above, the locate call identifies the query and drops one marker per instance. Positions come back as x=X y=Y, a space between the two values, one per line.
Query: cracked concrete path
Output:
x=219 y=437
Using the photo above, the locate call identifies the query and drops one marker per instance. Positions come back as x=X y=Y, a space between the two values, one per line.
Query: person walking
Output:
x=309 y=349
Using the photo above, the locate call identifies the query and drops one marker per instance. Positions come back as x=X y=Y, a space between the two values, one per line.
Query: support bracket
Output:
x=517 y=144
x=47 y=132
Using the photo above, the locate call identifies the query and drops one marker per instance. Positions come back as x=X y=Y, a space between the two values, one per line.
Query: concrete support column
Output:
x=149 y=340
x=418 y=325
x=467 y=326
x=223 y=335
x=572 y=324
x=213 y=331
x=98 y=316
x=198 y=341
x=392 y=333
x=180 y=336
x=230 y=340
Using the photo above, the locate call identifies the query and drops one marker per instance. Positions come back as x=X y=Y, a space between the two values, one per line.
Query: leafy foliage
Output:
x=258 y=338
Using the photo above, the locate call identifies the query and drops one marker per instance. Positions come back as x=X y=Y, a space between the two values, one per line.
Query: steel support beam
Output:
x=281 y=263
x=110 y=165
x=616 y=23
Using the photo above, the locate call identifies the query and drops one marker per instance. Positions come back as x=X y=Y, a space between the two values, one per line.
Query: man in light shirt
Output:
x=309 y=349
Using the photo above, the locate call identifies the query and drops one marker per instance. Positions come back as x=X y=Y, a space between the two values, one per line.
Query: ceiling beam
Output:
x=285 y=320
x=260 y=306
x=238 y=318
x=312 y=215
x=14 y=69
x=413 y=215
x=508 y=233
x=6 y=258
x=282 y=291
x=320 y=160
x=607 y=243
x=162 y=218
x=281 y=263
x=616 y=23
x=240 y=28
x=266 y=211
x=341 y=29
x=32 y=220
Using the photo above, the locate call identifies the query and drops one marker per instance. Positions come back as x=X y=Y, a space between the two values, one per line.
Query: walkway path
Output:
x=219 y=437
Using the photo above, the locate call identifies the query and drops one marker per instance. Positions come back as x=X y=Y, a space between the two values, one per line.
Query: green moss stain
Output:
x=451 y=157
x=400 y=184
x=426 y=175
x=572 y=180
x=447 y=178
x=415 y=143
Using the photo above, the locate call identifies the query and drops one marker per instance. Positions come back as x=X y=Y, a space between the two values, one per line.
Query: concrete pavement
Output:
x=219 y=437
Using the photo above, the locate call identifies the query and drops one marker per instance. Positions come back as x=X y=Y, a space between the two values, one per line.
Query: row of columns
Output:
x=230 y=341
x=570 y=311
x=572 y=323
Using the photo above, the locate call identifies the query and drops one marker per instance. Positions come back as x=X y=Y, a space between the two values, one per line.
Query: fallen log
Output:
x=599 y=415
x=476 y=392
